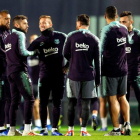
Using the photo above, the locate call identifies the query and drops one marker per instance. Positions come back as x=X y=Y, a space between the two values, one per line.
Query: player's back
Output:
x=113 y=44
x=83 y=48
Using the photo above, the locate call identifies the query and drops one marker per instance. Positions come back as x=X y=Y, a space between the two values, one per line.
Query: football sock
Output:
x=71 y=128
x=94 y=115
x=83 y=129
x=8 y=125
x=27 y=127
x=53 y=129
x=121 y=126
x=45 y=129
x=104 y=122
x=38 y=122
x=48 y=122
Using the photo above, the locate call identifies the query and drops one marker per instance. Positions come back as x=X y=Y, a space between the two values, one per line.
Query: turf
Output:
x=96 y=135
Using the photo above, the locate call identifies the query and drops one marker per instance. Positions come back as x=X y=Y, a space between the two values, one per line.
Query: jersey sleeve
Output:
x=103 y=39
x=32 y=46
x=97 y=62
x=21 y=45
x=65 y=62
x=66 y=48
x=103 y=43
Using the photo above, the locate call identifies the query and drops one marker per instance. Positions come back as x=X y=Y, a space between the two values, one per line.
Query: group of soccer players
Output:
x=89 y=62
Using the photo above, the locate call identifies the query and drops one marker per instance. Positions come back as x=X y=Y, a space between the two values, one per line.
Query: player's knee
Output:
x=71 y=107
x=122 y=98
x=113 y=100
x=86 y=104
x=72 y=103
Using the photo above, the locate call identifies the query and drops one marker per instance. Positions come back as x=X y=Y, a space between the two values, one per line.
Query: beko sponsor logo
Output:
x=50 y=51
x=121 y=41
x=81 y=47
x=8 y=47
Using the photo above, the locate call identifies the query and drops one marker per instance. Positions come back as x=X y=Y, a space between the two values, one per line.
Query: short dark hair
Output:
x=127 y=13
x=111 y=12
x=4 y=11
x=84 y=19
x=18 y=18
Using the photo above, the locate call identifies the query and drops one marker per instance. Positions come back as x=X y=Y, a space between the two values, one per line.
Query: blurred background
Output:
x=64 y=13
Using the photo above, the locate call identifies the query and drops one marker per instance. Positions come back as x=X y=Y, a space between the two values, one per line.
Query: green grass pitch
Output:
x=96 y=135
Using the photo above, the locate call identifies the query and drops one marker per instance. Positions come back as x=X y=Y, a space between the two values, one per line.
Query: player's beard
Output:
x=5 y=27
x=24 y=30
x=129 y=27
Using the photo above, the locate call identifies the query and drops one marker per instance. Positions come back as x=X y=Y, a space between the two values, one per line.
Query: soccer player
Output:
x=133 y=58
x=81 y=49
x=16 y=55
x=114 y=70
x=5 y=94
x=51 y=77
x=33 y=70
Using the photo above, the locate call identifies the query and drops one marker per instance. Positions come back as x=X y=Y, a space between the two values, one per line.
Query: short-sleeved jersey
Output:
x=133 y=53
x=113 y=44
x=81 y=50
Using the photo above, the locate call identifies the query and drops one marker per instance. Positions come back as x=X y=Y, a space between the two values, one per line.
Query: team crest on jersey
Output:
x=50 y=51
x=42 y=43
x=56 y=41
x=128 y=49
